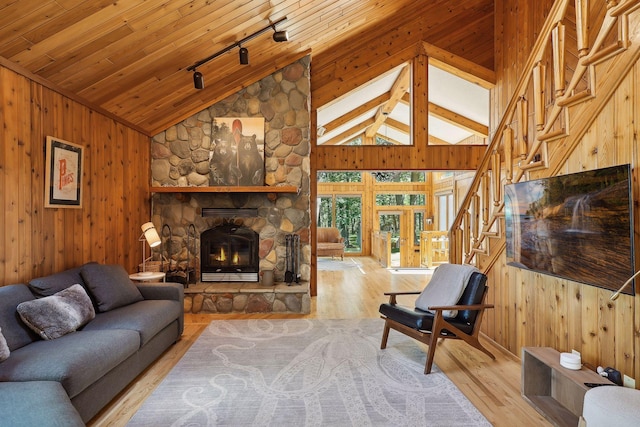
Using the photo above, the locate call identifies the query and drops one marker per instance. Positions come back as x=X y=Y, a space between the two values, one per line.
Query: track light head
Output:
x=198 y=80
x=244 y=56
x=280 y=36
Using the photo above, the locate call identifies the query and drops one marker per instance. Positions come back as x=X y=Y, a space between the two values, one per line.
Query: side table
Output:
x=553 y=390
x=148 y=276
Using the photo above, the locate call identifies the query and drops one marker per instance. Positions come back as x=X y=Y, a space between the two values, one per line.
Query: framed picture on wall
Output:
x=237 y=151
x=63 y=176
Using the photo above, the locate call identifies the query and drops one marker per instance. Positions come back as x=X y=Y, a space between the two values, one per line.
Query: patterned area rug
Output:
x=301 y=372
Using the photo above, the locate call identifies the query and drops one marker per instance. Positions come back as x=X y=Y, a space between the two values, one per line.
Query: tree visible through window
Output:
x=349 y=221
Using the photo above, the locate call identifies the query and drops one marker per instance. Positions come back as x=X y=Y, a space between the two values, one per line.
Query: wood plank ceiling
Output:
x=130 y=57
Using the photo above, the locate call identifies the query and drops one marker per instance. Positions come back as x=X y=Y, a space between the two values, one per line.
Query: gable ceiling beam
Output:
x=459 y=66
x=454 y=118
x=399 y=88
x=458 y=120
x=356 y=112
x=398 y=125
x=348 y=134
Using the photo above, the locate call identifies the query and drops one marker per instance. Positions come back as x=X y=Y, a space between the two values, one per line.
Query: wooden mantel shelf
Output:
x=228 y=189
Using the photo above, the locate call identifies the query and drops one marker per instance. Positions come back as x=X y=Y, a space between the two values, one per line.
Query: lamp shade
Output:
x=150 y=234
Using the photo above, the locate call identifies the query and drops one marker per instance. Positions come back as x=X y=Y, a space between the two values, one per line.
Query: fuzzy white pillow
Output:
x=4 y=348
x=54 y=316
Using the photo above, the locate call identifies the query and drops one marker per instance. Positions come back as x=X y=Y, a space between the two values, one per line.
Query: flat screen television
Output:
x=577 y=226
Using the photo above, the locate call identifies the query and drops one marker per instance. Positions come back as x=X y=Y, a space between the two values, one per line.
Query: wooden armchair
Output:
x=428 y=326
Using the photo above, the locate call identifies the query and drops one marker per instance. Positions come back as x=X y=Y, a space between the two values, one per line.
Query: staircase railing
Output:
x=519 y=147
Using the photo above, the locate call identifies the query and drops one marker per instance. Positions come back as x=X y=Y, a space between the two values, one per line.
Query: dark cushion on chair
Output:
x=418 y=319
x=412 y=317
x=473 y=294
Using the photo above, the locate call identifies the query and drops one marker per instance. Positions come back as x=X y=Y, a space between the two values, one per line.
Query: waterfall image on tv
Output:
x=577 y=226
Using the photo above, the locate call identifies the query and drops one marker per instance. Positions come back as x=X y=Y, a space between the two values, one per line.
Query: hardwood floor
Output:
x=356 y=291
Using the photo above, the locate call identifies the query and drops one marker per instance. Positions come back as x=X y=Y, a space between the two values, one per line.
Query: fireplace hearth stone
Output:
x=247 y=297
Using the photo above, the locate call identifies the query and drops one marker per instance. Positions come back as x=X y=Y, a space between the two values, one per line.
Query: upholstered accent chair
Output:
x=451 y=309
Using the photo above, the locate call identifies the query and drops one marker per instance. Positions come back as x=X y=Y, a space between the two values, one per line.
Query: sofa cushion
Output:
x=37 y=403
x=4 y=348
x=56 y=315
x=54 y=283
x=14 y=330
x=147 y=318
x=110 y=286
x=75 y=360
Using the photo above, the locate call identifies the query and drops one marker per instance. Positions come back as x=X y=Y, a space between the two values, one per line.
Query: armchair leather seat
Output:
x=419 y=319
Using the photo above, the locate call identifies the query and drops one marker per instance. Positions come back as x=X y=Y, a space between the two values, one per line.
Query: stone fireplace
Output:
x=229 y=253
x=184 y=155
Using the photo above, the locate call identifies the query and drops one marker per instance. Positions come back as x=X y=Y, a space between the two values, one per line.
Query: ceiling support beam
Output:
x=356 y=112
x=349 y=134
x=399 y=88
x=458 y=120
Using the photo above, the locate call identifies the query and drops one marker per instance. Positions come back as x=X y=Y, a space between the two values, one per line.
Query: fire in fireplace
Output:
x=229 y=253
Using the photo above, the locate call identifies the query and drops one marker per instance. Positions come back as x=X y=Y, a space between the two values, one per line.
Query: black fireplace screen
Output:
x=229 y=253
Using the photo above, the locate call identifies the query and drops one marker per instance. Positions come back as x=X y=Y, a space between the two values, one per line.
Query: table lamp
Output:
x=150 y=235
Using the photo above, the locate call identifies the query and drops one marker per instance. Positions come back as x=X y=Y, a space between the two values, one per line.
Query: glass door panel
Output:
x=390 y=221
x=349 y=222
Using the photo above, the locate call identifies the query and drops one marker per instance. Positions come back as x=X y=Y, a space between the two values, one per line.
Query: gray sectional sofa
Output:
x=66 y=351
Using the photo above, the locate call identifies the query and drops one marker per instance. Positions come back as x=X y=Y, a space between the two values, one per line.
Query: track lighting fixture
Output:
x=244 y=56
x=198 y=80
x=278 y=36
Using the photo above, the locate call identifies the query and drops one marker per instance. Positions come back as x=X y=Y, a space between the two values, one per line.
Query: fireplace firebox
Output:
x=229 y=253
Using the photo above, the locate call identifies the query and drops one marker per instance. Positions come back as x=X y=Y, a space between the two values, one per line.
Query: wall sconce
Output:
x=278 y=36
x=622 y=288
x=149 y=235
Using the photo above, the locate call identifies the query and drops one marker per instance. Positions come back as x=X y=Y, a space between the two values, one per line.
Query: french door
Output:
x=403 y=224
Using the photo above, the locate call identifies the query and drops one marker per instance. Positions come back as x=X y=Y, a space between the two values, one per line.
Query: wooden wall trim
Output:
x=415 y=157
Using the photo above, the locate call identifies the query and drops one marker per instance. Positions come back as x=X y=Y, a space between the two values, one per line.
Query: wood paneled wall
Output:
x=533 y=309
x=36 y=241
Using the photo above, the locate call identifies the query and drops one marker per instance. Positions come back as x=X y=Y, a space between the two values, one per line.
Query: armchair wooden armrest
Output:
x=460 y=307
x=392 y=295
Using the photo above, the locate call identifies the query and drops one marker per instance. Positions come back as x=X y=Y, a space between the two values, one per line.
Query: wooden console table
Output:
x=553 y=390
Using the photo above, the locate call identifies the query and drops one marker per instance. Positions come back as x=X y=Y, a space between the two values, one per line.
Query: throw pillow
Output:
x=110 y=286
x=446 y=286
x=59 y=314
x=4 y=348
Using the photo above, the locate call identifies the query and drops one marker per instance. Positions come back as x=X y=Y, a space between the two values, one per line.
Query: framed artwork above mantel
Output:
x=63 y=175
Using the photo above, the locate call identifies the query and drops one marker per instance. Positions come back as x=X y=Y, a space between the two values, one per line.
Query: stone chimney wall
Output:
x=181 y=158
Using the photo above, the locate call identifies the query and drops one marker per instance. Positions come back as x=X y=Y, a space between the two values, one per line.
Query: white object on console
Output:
x=571 y=361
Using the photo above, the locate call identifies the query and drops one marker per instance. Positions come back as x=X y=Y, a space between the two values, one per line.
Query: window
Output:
x=418 y=226
x=399 y=176
x=445 y=211
x=400 y=199
x=349 y=221
x=325 y=211
x=339 y=176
